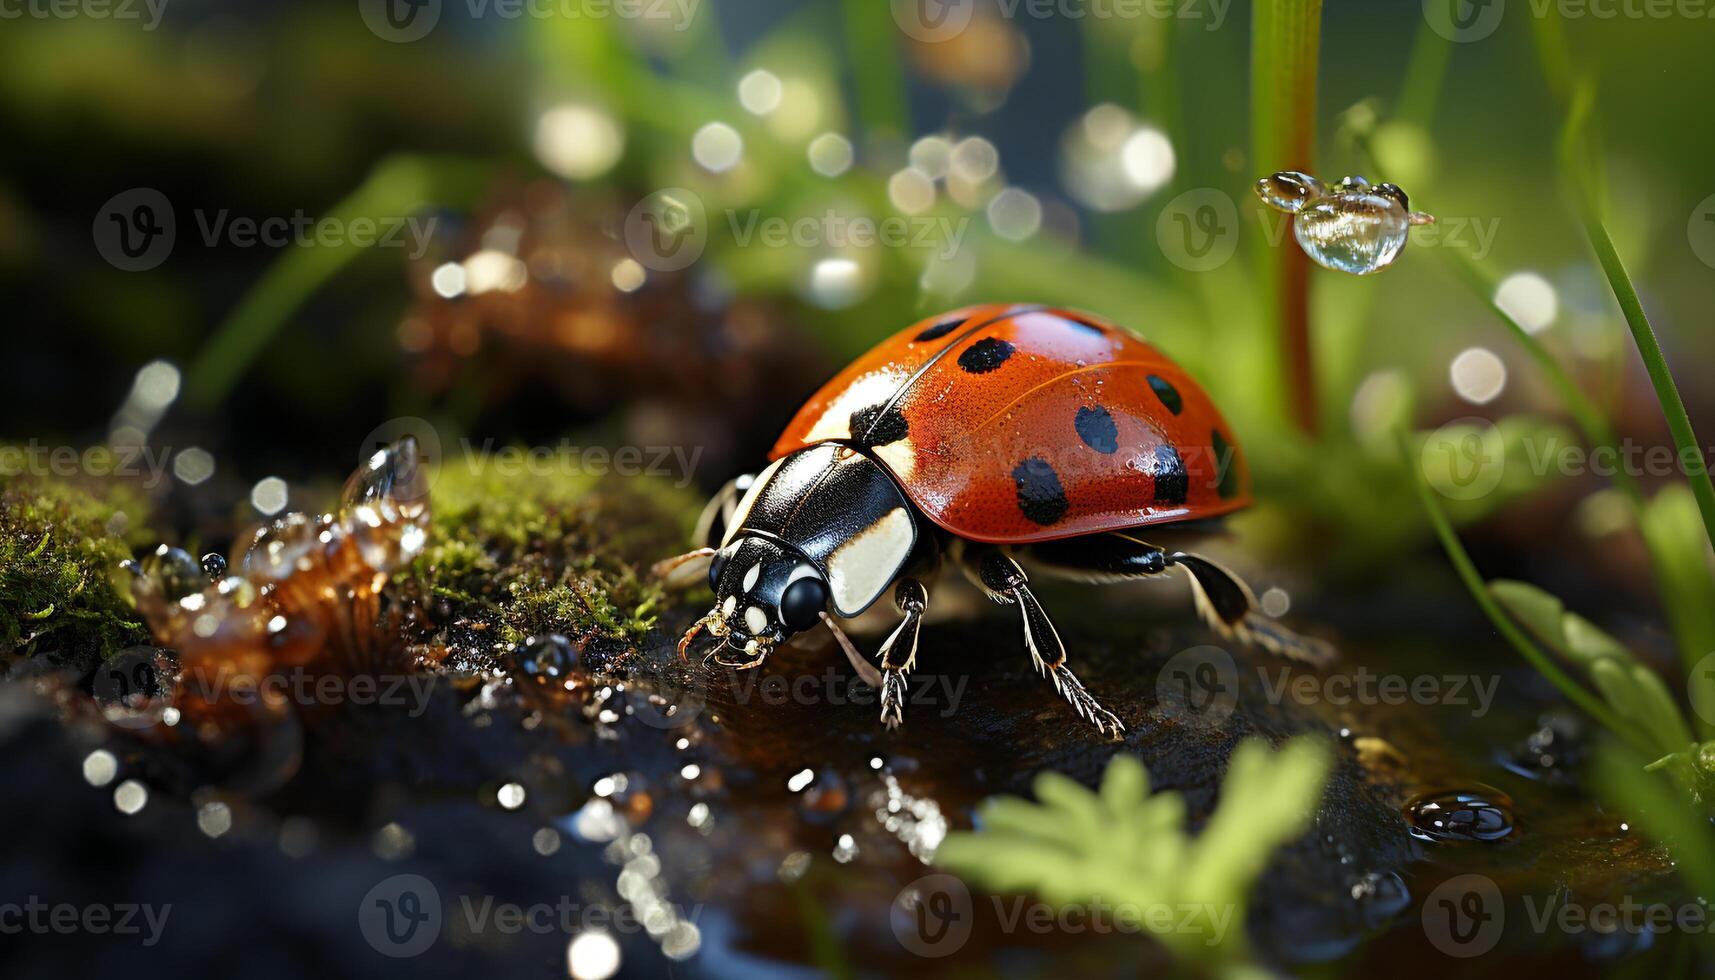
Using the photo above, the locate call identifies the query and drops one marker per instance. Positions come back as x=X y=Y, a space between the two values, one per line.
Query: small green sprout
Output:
x=1125 y=847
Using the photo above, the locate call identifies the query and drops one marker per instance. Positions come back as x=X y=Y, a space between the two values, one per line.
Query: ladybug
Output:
x=991 y=438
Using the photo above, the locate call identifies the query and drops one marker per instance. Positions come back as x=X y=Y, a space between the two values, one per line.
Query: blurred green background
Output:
x=271 y=110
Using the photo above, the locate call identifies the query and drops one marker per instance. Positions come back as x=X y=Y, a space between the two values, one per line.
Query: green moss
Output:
x=59 y=546
x=523 y=553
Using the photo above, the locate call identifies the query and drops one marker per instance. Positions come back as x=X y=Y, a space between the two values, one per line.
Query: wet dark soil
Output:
x=770 y=821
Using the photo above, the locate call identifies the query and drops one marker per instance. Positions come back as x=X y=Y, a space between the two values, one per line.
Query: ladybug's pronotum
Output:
x=992 y=438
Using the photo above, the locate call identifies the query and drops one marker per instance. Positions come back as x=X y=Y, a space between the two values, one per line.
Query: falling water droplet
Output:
x=1476 y=813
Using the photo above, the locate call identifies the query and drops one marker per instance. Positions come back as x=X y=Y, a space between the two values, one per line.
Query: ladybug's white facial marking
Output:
x=755 y=619
x=751 y=576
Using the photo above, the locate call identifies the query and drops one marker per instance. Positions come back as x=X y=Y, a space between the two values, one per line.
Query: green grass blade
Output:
x=396 y=188
x=1285 y=48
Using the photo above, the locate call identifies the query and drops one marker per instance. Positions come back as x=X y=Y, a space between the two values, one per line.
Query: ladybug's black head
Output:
x=764 y=593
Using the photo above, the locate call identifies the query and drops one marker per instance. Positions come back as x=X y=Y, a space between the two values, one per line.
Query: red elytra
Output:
x=1012 y=424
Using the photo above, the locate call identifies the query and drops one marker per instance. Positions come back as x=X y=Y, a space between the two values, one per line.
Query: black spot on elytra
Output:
x=1171 y=481
x=1040 y=494
x=985 y=355
x=878 y=425
x=1096 y=427
x=1168 y=394
x=940 y=330
x=1226 y=474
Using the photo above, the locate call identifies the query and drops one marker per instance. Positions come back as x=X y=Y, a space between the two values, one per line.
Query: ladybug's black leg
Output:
x=999 y=576
x=899 y=652
x=1222 y=598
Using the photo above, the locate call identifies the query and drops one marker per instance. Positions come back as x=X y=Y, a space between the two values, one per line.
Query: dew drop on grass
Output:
x=1353 y=226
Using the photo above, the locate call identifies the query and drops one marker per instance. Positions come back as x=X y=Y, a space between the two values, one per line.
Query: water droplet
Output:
x=549 y=660
x=1356 y=231
x=1353 y=227
x=825 y=799
x=385 y=505
x=1476 y=813
x=1289 y=190
x=172 y=573
x=1552 y=753
x=214 y=565
x=1382 y=895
